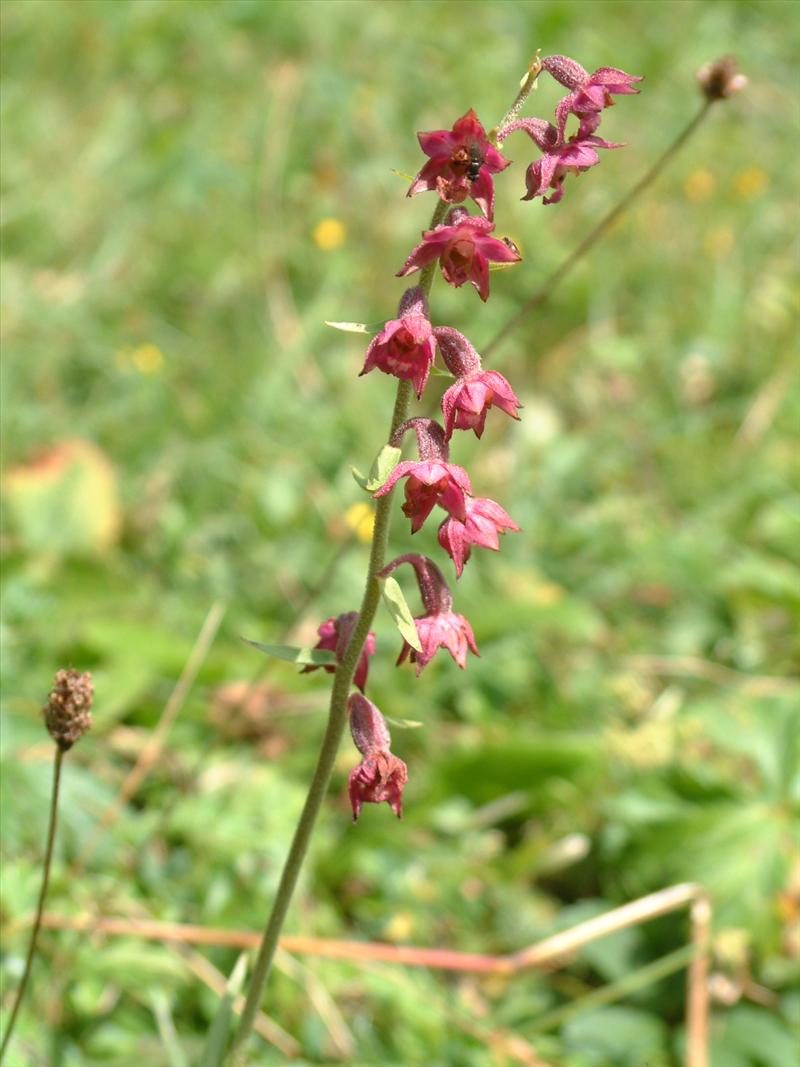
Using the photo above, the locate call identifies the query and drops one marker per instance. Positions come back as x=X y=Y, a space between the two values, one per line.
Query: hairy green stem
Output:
x=48 y=857
x=337 y=720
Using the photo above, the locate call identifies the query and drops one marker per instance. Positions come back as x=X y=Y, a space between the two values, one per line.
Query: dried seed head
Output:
x=68 y=711
x=721 y=79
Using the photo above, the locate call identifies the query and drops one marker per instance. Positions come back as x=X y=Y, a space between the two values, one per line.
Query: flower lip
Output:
x=446 y=629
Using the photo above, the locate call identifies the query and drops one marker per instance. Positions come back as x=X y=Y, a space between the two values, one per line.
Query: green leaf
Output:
x=382 y=466
x=219 y=1031
x=314 y=657
x=361 y=479
x=405 y=724
x=349 y=327
x=399 y=610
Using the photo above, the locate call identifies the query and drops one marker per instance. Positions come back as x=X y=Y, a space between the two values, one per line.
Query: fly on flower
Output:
x=475 y=162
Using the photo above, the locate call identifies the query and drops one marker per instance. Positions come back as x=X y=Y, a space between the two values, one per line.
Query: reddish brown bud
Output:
x=68 y=711
x=721 y=79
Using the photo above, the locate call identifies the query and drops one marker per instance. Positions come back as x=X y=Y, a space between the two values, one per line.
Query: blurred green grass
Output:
x=165 y=172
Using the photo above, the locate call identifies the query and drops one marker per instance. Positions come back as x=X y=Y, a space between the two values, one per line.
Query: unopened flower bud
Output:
x=721 y=79
x=68 y=711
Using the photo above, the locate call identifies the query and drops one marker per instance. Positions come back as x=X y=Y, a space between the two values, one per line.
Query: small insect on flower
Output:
x=475 y=162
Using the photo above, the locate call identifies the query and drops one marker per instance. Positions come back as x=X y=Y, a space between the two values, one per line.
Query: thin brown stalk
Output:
x=602 y=227
x=37 y=922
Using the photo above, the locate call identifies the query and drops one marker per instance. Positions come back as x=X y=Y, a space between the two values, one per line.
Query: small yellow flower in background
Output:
x=751 y=182
x=360 y=518
x=400 y=927
x=329 y=234
x=718 y=243
x=700 y=185
x=147 y=359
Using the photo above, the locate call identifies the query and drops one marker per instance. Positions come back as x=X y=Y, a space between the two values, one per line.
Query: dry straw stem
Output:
x=755 y=685
x=552 y=953
x=265 y=1027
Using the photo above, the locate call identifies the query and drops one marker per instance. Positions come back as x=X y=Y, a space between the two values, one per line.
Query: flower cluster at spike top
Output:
x=462 y=163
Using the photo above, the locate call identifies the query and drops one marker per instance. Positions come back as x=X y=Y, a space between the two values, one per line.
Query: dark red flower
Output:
x=432 y=480
x=464 y=249
x=334 y=636
x=445 y=629
x=380 y=776
x=454 y=156
x=440 y=626
x=406 y=346
x=575 y=155
x=484 y=522
x=466 y=403
x=429 y=484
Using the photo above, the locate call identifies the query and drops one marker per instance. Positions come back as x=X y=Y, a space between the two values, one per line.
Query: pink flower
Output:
x=464 y=250
x=591 y=93
x=334 y=636
x=445 y=629
x=429 y=483
x=573 y=156
x=466 y=403
x=484 y=522
x=462 y=162
x=432 y=480
x=406 y=346
x=380 y=776
x=440 y=626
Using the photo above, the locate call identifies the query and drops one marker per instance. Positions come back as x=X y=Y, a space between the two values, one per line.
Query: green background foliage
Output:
x=190 y=190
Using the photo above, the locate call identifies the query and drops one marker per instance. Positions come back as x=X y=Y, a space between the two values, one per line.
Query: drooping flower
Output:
x=575 y=155
x=334 y=636
x=432 y=480
x=590 y=93
x=462 y=162
x=440 y=626
x=484 y=522
x=380 y=776
x=406 y=346
x=464 y=249
x=466 y=402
